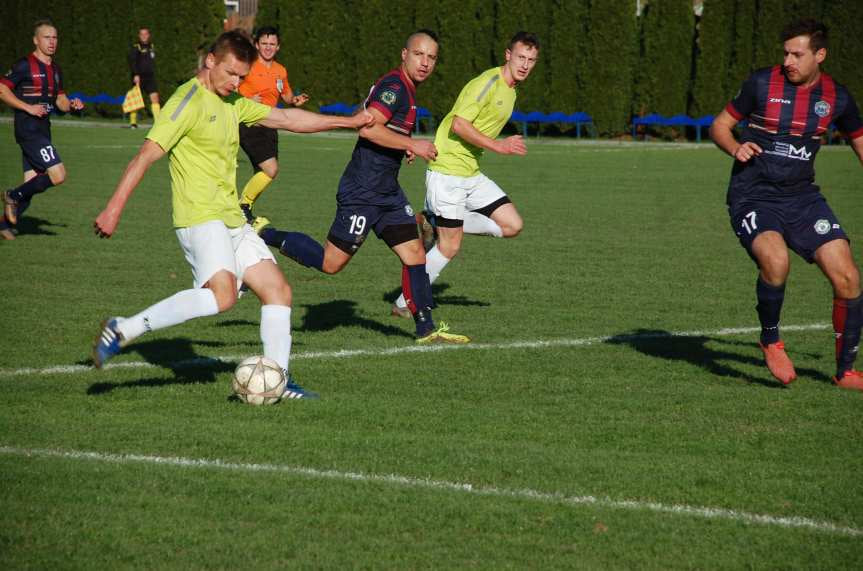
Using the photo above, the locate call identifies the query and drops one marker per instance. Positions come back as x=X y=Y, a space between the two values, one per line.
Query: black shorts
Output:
x=148 y=84
x=259 y=143
x=361 y=210
x=805 y=221
x=38 y=154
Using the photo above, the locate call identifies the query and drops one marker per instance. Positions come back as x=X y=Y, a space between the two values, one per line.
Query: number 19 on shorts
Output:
x=749 y=222
x=358 y=224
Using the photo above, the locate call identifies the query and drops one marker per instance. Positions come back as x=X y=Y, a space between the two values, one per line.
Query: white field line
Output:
x=394 y=351
x=424 y=483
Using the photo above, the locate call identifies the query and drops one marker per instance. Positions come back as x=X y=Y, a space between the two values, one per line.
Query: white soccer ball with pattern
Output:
x=258 y=380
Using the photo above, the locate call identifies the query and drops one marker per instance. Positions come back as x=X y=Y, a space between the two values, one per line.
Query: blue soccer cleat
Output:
x=108 y=343
x=295 y=391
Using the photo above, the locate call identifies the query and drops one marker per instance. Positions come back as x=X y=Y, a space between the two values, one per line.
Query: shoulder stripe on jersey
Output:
x=488 y=85
x=183 y=103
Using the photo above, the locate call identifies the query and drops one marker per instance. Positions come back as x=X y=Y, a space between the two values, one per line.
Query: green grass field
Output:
x=613 y=411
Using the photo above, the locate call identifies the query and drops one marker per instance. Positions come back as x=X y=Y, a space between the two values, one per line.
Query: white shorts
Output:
x=212 y=246
x=450 y=196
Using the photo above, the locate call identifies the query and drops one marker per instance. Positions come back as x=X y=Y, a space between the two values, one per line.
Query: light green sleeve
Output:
x=250 y=112
x=474 y=96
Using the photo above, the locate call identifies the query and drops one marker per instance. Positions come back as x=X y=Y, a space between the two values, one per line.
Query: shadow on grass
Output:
x=179 y=356
x=694 y=350
x=343 y=313
x=30 y=226
x=437 y=292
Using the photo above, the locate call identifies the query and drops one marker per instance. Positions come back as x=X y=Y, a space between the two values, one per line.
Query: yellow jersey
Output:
x=200 y=132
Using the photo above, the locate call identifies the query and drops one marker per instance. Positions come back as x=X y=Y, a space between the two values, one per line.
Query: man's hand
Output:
x=256 y=97
x=424 y=149
x=299 y=100
x=746 y=151
x=76 y=104
x=136 y=79
x=37 y=110
x=513 y=145
x=106 y=223
x=362 y=119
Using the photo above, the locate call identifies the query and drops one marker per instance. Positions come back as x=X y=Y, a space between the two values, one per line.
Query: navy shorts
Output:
x=361 y=210
x=38 y=154
x=804 y=221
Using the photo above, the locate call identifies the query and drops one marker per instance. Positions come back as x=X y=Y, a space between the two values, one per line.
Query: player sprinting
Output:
x=142 y=66
x=459 y=198
x=369 y=196
x=773 y=200
x=34 y=88
x=267 y=83
x=199 y=129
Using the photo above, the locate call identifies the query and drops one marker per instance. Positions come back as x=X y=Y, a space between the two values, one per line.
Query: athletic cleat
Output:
x=427 y=229
x=108 y=343
x=442 y=335
x=259 y=223
x=247 y=212
x=850 y=380
x=402 y=312
x=295 y=391
x=778 y=362
x=10 y=208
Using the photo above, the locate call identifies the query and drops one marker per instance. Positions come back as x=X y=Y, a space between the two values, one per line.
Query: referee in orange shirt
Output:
x=267 y=82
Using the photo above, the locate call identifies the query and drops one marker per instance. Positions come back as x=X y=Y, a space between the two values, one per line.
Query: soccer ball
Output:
x=258 y=380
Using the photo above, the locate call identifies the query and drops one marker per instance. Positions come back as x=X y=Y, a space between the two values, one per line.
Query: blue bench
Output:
x=679 y=120
x=578 y=119
x=345 y=109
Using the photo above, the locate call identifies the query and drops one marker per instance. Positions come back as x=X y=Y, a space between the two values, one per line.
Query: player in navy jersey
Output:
x=773 y=200
x=369 y=196
x=34 y=88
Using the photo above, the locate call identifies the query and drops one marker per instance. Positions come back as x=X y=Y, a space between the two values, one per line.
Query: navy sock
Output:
x=769 y=307
x=416 y=288
x=297 y=246
x=847 y=322
x=37 y=184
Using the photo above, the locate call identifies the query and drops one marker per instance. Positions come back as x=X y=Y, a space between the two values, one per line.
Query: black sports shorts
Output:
x=259 y=143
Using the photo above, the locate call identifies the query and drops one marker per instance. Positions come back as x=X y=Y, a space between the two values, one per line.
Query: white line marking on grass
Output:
x=410 y=482
x=350 y=353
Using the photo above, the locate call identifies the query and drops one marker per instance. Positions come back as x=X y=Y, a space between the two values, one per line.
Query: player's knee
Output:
x=270 y=170
x=449 y=249
x=331 y=267
x=512 y=228
x=57 y=176
x=225 y=299
x=846 y=284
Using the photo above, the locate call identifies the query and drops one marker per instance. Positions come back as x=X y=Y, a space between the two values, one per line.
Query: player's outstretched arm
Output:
x=301 y=121
x=513 y=145
x=385 y=137
x=722 y=133
x=8 y=97
x=106 y=223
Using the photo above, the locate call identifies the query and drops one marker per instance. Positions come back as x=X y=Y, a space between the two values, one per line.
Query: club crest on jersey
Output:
x=408 y=210
x=822 y=226
x=279 y=85
x=388 y=97
x=822 y=109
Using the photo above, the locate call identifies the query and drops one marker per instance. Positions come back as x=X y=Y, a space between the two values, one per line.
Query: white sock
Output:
x=435 y=263
x=180 y=307
x=276 y=333
x=475 y=223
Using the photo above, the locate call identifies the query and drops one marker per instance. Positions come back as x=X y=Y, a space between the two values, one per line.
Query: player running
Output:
x=34 y=88
x=266 y=83
x=459 y=198
x=199 y=129
x=773 y=200
x=370 y=197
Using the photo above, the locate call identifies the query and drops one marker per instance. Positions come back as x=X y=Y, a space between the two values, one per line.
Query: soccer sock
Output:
x=297 y=246
x=37 y=184
x=133 y=118
x=276 y=333
x=769 y=306
x=847 y=321
x=435 y=263
x=416 y=288
x=180 y=307
x=155 y=108
x=475 y=223
x=253 y=189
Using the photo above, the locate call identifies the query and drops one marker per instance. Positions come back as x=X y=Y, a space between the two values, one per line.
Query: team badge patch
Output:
x=408 y=210
x=280 y=85
x=822 y=109
x=822 y=226
x=388 y=97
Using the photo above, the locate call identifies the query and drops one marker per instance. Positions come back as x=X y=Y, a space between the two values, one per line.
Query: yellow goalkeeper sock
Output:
x=155 y=108
x=133 y=118
x=253 y=189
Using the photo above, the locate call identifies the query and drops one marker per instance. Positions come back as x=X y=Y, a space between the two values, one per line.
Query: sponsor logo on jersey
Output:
x=408 y=210
x=780 y=100
x=388 y=97
x=822 y=226
x=822 y=109
x=790 y=151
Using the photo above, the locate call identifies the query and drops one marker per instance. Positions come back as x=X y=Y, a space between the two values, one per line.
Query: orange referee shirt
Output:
x=269 y=83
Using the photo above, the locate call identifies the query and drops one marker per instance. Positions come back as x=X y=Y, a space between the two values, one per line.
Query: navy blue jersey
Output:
x=787 y=122
x=33 y=82
x=373 y=166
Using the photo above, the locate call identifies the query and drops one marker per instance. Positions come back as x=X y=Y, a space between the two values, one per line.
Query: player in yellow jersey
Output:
x=198 y=129
x=459 y=198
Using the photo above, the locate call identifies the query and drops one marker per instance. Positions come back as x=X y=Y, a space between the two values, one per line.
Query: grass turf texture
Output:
x=624 y=242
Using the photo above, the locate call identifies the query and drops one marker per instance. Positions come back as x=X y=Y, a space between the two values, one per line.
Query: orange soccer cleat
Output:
x=778 y=362
x=851 y=379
